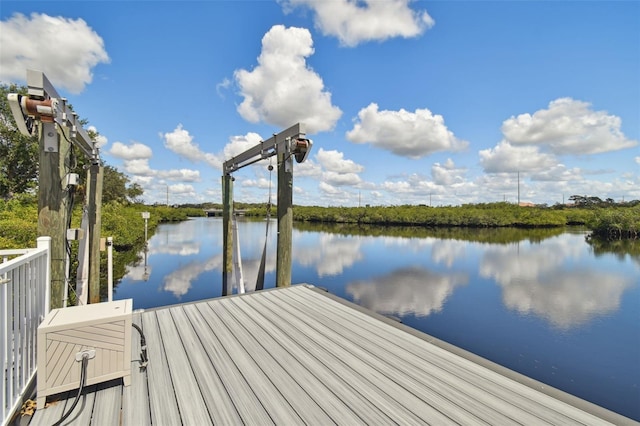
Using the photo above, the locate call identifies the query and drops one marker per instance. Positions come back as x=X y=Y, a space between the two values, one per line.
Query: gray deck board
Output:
x=188 y=394
x=520 y=402
x=135 y=398
x=323 y=403
x=279 y=409
x=298 y=356
x=163 y=405
x=108 y=402
x=378 y=375
x=215 y=397
x=245 y=402
x=318 y=363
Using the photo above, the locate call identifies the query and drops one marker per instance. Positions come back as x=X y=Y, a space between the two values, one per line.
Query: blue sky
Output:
x=407 y=102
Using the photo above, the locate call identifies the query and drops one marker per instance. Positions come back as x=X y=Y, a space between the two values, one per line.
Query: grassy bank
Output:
x=19 y=221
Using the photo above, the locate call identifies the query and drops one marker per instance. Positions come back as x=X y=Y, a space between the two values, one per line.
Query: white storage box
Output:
x=102 y=329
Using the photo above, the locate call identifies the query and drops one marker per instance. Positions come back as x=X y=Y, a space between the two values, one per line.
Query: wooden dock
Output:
x=298 y=355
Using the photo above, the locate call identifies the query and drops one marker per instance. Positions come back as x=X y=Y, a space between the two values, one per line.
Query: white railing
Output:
x=24 y=302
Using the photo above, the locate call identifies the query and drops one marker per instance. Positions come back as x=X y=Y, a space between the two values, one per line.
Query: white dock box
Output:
x=100 y=328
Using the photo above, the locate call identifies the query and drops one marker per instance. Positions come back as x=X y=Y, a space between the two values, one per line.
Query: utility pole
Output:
x=518 y=187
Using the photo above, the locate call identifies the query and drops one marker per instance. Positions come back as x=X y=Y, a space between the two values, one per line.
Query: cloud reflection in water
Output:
x=179 y=281
x=331 y=255
x=406 y=291
x=535 y=280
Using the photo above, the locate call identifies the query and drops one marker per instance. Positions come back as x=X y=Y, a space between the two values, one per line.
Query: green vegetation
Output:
x=616 y=223
x=470 y=215
x=505 y=235
x=18 y=222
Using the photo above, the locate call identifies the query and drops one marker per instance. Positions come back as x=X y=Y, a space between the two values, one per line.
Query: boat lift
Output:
x=45 y=114
x=286 y=145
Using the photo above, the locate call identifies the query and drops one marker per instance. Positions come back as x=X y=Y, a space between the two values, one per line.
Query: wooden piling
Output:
x=54 y=204
x=285 y=218
x=94 y=182
x=227 y=233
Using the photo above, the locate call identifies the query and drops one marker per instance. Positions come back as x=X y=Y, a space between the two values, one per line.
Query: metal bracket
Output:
x=51 y=138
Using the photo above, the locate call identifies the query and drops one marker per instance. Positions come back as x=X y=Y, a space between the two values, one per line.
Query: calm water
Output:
x=544 y=303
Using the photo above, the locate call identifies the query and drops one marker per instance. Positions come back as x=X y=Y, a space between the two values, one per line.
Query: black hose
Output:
x=83 y=379
x=144 y=359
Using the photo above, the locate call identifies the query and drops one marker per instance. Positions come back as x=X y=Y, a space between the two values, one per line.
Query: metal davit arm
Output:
x=266 y=149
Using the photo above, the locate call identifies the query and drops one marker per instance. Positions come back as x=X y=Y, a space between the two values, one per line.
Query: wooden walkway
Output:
x=300 y=356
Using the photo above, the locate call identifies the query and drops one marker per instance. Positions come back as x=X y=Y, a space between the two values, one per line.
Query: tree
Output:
x=18 y=153
x=134 y=192
x=115 y=187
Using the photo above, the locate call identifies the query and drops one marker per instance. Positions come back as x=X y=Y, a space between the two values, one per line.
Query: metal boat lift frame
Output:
x=286 y=145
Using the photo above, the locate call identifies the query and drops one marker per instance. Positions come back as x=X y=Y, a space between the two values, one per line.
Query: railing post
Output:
x=45 y=243
x=110 y=268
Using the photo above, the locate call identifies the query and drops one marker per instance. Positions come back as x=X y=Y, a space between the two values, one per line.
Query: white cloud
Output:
x=558 y=173
x=181 y=188
x=261 y=183
x=353 y=22
x=308 y=169
x=447 y=173
x=239 y=144
x=334 y=161
x=135 y=151
x=181 y=142
x=138 y=167
x=341 y=179
x=223 y=85
x=404 y=133
x=184 y=175
x=282 y=90
x=568 y=126
x=637 y=160
x=142 y=180
x=506 y=158
x=329 y=189
x=66 y=50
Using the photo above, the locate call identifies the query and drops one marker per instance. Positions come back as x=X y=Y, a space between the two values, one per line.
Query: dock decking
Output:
x=300 y=356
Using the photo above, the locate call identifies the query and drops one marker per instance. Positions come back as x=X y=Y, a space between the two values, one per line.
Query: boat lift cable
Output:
x=263 y=259
x=237 y=264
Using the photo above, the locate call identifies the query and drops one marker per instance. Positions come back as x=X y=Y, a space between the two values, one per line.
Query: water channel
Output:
x=542 y=302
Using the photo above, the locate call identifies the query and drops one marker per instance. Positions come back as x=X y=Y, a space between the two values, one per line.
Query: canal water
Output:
x=545 y=303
